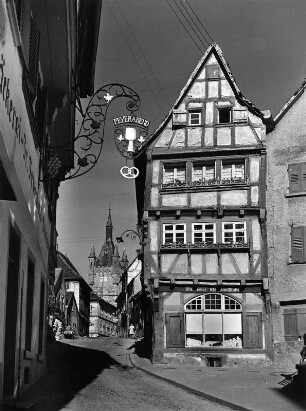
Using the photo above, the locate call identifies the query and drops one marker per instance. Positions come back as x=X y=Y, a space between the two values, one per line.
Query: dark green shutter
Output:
x=295 y=178
x=303 y=177
x=252 y=330
x=33 y=56
x=290 y=324
x=298 y=244
x=175 y=330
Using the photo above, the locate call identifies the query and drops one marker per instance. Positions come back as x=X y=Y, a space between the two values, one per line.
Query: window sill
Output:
x=296 y=263
x=207 y=248
x=212 y=187
x=300 y=194
x=28 y=355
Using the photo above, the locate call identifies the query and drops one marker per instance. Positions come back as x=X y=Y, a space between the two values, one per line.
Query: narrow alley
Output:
x=91 y=374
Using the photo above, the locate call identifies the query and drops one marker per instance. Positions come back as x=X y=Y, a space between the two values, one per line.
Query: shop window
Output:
x=225 y=115
x=298 y=244
x=174 y=233
x=234 y=232
x=219 y=322
x=203 y=173
x=204 y=232
x=174 y=176
x=194 y=118
x=233 y=172
x=294 y=322
x=297 y=177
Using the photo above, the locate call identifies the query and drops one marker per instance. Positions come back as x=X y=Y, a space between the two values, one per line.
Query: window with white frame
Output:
x=174 y=233
x=204 y=232
x=174 y=175
x=234 y=232
x=233 y=171
x=213 y=320
x=203 y=173
x=194 y=118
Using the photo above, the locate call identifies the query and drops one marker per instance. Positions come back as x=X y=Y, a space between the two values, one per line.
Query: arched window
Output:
x=213 y=320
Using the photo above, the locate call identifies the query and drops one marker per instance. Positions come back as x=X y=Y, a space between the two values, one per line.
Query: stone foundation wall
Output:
x=287 y=354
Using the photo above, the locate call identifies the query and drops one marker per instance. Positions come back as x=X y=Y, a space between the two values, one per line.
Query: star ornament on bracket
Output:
x=108 y=98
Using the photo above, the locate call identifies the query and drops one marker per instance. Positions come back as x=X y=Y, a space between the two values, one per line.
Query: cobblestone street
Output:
x=91 y=374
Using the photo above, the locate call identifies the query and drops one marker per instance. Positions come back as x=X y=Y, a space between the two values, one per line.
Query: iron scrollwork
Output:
x=88 y=142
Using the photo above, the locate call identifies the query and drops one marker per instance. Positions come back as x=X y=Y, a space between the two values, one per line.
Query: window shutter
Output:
x=295 y=178
x=301 y=321
x=240 y=115
x=33 y=56
x=252 y=330
x=179 y=117
x=175 y=330
x=303 y=177
x=298 y=244
x=25 y=28
x=290 y=324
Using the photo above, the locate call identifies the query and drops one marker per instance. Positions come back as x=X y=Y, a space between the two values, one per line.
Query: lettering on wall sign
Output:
x=16 y=125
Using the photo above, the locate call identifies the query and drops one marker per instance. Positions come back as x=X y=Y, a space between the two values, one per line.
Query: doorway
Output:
x=11 y=316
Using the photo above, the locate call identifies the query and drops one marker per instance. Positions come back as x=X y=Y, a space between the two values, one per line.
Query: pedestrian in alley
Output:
x=131 y=331
x=303 y=352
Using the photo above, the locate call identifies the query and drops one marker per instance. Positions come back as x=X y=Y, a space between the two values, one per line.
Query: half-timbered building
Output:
x=203 y=218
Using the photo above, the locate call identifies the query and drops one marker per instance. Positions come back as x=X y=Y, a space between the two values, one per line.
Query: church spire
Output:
x=92 y=251
x=109 y=226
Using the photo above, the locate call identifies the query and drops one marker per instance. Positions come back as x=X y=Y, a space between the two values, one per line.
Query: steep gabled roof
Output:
x=290 y=102
x=214 y=49
x=68 y=269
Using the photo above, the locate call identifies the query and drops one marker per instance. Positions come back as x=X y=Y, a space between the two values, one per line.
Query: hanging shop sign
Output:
x=131 y=134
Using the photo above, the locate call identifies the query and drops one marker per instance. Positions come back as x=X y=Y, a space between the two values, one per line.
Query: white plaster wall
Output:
x=155 y=171
x=154 y=196
x=254 y=169
x=164 y=139
x=154 y=235
x=254 y=195
x=203 y=199
x=197 y=90
x=209 y=113
x=224 y=136
x=256 y=234
x=234 y=197
x=213 y=89
x=209 y=136
x=179 y=138
x=226 y=90
x=174 y=200
x=244 y=136
x=194 y=137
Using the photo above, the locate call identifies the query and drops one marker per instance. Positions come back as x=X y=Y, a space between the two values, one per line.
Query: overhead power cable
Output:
x=143 y=55
x=185 y=28
x=135 y=57
x=186 y=1
x=192 y=24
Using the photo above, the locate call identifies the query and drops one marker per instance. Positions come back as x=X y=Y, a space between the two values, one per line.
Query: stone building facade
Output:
x=105 y=270
x=37 y=68
x=286 y=226
x=203 y=215
x=103 y=318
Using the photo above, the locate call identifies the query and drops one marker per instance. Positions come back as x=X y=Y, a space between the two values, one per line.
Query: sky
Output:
x=149 y=46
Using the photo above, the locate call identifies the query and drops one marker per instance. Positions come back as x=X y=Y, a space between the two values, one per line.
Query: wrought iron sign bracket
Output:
x=131 y=133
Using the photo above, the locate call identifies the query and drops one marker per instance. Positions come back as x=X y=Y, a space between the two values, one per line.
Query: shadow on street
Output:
x=69 y=370
x=140 y=349
x=293 y=389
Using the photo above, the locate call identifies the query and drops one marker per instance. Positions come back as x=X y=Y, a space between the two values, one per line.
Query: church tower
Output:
x=105 y=271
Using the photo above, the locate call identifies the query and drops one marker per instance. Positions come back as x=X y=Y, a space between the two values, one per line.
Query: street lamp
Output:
x=130 y=135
